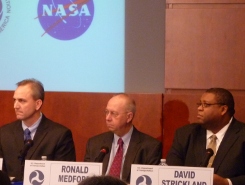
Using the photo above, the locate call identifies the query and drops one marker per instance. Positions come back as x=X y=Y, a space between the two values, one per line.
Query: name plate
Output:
x=58 y=172
x=170 y=175
x=1 y=163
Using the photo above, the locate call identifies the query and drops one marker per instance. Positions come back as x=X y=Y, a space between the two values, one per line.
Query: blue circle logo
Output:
x=36 y=177
x=143 y=180
x=65 y=19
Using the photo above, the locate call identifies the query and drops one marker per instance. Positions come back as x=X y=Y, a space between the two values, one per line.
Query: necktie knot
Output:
x=27 y=134
x=120 y=142
x=213 y=137
x=212 y=143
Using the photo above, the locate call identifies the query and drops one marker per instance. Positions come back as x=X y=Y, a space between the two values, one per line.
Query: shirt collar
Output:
x=221 y=133
x=125 y=138
x=33 y=128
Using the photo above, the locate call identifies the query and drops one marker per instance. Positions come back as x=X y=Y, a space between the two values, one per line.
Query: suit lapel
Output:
x=199 y=145
x=133 y=148
x=40 y=134
x=19 y=136
x=229 y=139
x=107 y=142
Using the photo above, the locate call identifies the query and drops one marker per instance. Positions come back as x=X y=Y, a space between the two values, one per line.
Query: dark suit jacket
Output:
x=51 y=139
x=189 y=147
x=142 y=149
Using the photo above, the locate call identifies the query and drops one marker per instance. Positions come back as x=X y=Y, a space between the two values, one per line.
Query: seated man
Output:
x=217 y=129
x=32 y=131
x=126 y=144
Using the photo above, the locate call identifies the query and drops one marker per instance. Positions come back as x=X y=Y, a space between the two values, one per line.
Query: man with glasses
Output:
x=217 y=129
x=134 y=147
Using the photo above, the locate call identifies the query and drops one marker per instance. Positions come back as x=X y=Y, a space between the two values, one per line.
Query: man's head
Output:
x=120 y=111
x=102 y=180
x=215 y=109
x=28 y=99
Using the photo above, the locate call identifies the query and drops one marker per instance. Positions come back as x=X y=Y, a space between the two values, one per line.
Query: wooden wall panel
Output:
x=204 y=44
x=84 y=114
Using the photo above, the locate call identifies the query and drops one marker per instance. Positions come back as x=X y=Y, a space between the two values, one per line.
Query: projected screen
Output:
x=69 y=45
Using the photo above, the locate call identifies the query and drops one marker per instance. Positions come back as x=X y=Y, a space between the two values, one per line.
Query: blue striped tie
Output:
x=27 y=134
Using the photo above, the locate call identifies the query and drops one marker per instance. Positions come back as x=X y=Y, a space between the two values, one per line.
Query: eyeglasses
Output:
x=205 y=105
x=113 y=113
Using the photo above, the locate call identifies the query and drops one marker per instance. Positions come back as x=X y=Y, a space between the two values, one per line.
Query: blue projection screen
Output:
x=69 y=45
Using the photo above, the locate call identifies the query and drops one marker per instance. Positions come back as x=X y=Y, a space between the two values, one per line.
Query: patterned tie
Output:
x=117 y=162
x=27 y=134
x=212 y=145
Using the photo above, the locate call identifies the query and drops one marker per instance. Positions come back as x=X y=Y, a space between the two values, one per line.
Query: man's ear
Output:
x=224 y=109
x=130 y=116
x=39 y=104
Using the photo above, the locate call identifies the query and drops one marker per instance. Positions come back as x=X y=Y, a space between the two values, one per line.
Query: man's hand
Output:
x=220 y=180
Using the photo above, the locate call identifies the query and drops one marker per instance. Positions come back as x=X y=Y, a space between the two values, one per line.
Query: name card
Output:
x=58 y=172
x=170 y=175
x=1 y=163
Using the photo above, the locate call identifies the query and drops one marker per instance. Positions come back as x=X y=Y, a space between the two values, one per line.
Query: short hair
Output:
x=37 y=87
x=131 y=105
x=225 y=97
x=102 y=180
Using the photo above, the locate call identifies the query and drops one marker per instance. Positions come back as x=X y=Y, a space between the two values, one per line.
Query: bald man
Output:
x=138 y=148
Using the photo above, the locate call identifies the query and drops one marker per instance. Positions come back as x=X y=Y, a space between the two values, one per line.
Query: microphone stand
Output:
x=28 y=144
x=22 y=167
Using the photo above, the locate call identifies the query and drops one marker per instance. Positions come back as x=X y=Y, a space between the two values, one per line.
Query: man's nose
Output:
x=108 y=116
x=16 y=104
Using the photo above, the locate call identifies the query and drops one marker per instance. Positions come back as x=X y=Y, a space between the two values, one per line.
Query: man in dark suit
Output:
x=50 y=139
x=215 y=117
x=138 y=148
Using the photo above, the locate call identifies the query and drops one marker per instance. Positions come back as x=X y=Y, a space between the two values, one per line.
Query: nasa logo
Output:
x=5 y=10
x=65 y=19
x=36 y=177
x=143 y=180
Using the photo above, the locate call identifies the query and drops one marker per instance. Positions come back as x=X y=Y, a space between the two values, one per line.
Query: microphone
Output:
x=209 y=153
x=103 y=151
x=23 y=152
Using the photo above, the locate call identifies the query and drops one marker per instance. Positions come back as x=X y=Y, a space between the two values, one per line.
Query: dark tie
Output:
x=212 y=145
x=27 y=134
x=117 y=162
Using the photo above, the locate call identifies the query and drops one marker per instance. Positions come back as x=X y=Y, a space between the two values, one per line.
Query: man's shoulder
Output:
x=52 y=124
x=237 y=125
x=144 y=136
x=190 y=128
x=102 y=136
x=11 y=125
x=99 y=140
